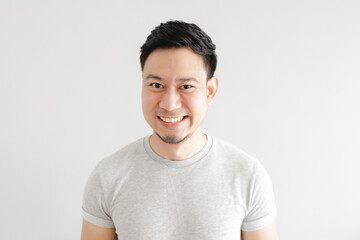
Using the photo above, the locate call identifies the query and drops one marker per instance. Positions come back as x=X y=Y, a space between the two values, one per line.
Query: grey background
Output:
x=70 y=87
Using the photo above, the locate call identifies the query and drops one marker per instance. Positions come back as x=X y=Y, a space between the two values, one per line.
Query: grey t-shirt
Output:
x=213 y=195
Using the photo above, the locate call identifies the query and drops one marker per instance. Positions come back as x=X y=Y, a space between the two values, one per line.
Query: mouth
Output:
x=172 y=119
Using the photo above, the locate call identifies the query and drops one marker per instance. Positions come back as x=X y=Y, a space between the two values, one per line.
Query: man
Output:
x=178 y=183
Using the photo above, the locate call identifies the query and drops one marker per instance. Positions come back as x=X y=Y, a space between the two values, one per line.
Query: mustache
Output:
x=171 y=113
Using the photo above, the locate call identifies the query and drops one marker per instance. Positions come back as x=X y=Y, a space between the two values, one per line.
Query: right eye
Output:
x=156 y=85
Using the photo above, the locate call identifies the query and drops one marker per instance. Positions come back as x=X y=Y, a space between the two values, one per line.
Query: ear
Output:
x=212 y=87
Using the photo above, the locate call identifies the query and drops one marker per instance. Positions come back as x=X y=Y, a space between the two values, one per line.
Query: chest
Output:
x=177 y=204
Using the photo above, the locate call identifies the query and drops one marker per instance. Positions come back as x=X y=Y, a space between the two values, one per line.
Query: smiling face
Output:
x=176 y=93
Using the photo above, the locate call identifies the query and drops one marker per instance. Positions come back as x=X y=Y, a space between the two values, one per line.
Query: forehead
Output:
x=175 y=62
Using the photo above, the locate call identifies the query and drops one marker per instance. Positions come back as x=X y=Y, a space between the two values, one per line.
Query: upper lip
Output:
x=171 y=116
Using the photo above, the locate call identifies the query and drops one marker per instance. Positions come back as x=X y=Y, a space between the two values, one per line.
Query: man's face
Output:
x=175 y=93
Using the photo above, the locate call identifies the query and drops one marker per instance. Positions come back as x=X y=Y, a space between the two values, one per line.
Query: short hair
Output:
x=177 y=34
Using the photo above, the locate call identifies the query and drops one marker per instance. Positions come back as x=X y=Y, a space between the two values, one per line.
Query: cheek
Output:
x=198 y=103
x=148 y=101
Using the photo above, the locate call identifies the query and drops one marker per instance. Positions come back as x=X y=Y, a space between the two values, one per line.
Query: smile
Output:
x=172 y=120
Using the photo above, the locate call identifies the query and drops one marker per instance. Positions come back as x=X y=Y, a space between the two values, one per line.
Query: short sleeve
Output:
x=95 y=208
x=262 y=209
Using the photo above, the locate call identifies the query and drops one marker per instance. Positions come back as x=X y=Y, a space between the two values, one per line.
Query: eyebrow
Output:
x=153 y=76
x=178 y=80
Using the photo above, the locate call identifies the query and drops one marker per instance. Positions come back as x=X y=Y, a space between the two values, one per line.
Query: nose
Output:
x=170 y=100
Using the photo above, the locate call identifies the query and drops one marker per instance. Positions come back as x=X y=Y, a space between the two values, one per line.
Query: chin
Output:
x=171 y=139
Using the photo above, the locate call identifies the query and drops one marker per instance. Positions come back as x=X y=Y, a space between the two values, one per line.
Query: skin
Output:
x=92 y=232
x=175 y=85
x=267 y=233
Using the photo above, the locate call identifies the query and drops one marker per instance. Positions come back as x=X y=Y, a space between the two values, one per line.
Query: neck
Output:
x=181 y=151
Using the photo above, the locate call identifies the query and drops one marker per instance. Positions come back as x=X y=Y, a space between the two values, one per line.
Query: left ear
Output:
x=212 y=87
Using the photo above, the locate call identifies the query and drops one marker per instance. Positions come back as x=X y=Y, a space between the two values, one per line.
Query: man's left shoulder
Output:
x=234 y=155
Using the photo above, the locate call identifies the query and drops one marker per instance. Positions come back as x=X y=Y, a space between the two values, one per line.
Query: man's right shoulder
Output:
x=123 y=158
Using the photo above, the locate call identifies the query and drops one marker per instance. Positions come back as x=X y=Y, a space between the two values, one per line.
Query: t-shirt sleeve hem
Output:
x=96 y=220
x=259 y=223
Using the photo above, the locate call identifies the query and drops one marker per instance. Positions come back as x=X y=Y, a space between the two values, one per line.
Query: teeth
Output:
x=178 y=119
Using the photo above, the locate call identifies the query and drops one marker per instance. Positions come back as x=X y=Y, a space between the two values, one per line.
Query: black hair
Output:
x=176 y=34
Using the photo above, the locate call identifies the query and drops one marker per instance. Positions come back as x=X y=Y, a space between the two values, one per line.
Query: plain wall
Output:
x=70 y=88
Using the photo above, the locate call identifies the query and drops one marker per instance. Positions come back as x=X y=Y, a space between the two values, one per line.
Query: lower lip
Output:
x=172 y=124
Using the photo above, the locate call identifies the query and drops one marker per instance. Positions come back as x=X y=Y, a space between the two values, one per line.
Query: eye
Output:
x=157 y=85
x=186 y=86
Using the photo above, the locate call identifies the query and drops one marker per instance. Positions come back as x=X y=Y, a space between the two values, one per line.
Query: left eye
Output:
x=186 y=86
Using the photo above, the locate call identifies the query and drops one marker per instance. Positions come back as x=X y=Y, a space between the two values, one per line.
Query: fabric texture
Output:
x=213 y=195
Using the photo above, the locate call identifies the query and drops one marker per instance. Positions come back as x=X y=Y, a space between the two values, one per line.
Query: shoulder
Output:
x=254 y=186
x=235 y=157
x=121 y=161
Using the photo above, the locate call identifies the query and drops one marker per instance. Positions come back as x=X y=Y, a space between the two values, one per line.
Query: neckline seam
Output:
x=178 y=164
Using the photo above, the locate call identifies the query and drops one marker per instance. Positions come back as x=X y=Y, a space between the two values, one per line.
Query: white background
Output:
x=70 y=87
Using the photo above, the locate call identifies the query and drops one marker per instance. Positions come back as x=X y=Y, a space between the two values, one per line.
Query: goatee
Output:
x=171 y=139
